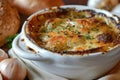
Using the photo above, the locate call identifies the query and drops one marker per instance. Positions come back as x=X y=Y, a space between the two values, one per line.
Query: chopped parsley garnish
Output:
x=89 y=37
x=51 y=29
x=95 y=29
x=77 y=32
x=9 y=40
x=89 y=46
x=67 y=26
x=44 y=30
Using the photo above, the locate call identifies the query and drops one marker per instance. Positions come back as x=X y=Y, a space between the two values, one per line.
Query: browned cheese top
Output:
x=69 y=31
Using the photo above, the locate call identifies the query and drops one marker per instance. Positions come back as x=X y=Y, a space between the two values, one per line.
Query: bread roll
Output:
x=28 y=7
x=9 y=21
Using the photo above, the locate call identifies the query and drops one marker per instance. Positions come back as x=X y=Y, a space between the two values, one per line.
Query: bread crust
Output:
x=9 y=21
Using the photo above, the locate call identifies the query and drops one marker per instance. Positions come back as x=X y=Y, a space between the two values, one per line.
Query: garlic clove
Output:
x=11 y=69
x=3 y=55
x=1 y=77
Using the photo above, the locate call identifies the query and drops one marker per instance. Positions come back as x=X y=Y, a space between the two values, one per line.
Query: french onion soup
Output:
x=71 y=31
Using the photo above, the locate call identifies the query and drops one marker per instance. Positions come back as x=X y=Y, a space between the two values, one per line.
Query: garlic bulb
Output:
x=3 y=55
x=11 y=69
x=103 y=4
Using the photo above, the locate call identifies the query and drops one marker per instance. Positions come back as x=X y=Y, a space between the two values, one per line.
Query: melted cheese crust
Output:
x=77 y=34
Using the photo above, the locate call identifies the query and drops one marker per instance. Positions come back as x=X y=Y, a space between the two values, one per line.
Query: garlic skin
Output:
x=11 y=69
x=3 y=55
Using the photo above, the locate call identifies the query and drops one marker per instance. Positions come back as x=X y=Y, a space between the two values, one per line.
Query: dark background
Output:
x=82 y=2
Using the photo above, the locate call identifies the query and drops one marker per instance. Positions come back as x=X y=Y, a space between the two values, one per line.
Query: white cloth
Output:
x=34 y=73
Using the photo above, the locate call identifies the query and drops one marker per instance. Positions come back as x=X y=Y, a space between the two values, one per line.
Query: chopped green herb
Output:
x=67 y=26
x=88 y=37
x=44 y=30
x=9 y=40
x=51 y=29
x=95 y=29
x=9 y=45
x=83 y=16
x=48 y=36
x=62 y=26
x=89 y=46
x=58 y=32
x=77 y=32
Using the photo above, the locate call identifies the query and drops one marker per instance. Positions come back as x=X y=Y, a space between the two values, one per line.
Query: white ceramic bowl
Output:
x=78 y=67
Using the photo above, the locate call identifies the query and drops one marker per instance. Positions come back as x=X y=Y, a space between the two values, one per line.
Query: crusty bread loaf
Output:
x=9 y=21
x=28 y=7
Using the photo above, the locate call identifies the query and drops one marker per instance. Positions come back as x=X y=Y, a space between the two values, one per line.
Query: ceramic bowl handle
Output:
x=20 y=50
